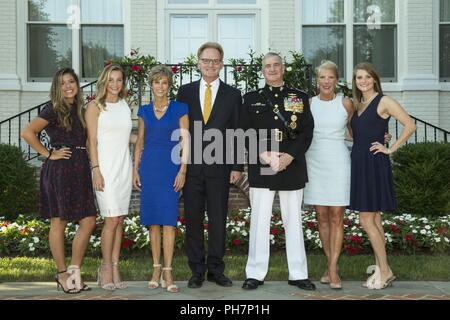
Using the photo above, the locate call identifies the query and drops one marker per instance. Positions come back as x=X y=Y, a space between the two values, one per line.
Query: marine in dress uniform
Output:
x=286 y=115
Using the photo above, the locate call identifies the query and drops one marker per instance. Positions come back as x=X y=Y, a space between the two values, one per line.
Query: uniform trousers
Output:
x=261 y=201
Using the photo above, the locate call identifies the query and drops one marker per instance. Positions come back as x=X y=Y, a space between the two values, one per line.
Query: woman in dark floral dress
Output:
x=66 y=192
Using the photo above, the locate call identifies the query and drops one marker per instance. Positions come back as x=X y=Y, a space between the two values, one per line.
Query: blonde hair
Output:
x=210 y=45
x=60 y=104
x=328 y=65
x=159 y=71
x=370 y=69
x=102 y=85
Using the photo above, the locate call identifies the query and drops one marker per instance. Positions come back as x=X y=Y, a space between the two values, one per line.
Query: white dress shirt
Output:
x=214 y=89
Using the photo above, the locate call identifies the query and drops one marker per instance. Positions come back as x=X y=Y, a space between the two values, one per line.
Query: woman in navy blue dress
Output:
x=372 y=188
x=66 y=192
x=160 y=171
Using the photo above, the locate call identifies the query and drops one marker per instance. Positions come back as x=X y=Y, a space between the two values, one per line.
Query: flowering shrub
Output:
x=404 y=233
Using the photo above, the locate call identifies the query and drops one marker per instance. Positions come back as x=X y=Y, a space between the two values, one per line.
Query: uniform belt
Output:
x=279 y=136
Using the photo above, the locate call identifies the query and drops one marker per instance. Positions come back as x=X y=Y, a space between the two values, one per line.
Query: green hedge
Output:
x=422 y=178
x=18 y=185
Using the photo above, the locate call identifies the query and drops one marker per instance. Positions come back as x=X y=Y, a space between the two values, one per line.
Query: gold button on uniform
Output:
x=276 y=118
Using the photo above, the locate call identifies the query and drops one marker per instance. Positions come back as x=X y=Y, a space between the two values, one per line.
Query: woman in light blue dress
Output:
x=159 y=170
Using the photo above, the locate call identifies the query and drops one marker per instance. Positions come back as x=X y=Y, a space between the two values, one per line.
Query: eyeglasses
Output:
x=209 y=61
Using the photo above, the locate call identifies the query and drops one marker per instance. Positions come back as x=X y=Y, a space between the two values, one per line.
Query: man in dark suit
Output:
x=281 y=117
x=214 y=107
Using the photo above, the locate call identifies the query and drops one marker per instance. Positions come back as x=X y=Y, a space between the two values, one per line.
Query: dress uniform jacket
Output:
x=257 y=113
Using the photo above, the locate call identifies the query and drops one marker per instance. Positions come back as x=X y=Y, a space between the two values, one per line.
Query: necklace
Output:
x=370 y=100
x=161 y=108
x=322 y=99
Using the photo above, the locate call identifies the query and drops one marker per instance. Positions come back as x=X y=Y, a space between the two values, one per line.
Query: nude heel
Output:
x=173 y=288
x=154 y=284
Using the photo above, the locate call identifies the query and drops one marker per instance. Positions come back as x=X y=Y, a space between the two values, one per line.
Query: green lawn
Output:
x=418 y=267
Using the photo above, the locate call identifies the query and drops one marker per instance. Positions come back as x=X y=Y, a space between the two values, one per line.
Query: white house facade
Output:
x=407 y=40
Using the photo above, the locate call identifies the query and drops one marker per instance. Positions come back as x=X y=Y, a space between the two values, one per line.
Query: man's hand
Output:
x=282 y=162
x=235 y=176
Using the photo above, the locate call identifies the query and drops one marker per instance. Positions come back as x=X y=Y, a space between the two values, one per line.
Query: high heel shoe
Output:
x=121 y=284
x=70 y=284
x=173 y=288
x=107 y=286
x=154 y=284
x=325 y=279
x=75 y=274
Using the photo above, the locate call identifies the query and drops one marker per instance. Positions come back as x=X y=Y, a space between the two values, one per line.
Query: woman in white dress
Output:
x=328 y=163
x=108 y=120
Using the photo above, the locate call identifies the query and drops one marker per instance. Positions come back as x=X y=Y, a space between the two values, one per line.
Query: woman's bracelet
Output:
x=49 y=153
x=96 y=166
x=182 y=173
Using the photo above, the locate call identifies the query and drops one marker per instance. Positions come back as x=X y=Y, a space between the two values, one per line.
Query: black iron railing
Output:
x=425 y=132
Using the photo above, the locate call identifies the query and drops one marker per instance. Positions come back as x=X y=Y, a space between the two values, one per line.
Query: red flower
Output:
x=394 y=228
x=136 y=68
x=409 y=237
x=182 y=220
x=352 y=250
x=356 y=239
x=91 y=97
x=205 y=226
x=311 y=225
x=127 y=243
x=441 y=231
x=175 y=69
x=238 y=68
x=236 y=242
x=274 y=231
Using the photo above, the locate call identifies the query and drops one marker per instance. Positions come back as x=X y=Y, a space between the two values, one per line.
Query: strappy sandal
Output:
x=154 y=284
x=173 y=288
x=107 y=286
x=70 y=284
x=325 y=279
x=121 y=284
x=75 y=273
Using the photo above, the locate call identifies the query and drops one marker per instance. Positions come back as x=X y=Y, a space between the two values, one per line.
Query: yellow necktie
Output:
x=207 y=107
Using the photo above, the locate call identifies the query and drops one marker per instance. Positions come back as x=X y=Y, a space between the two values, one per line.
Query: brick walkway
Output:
x=271 y=290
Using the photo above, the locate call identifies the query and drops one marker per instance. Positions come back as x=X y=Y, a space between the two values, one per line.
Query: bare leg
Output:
x=168 y=246
x=336 y=215
x=324 y=234
x=56 y=240
x=116 y=250
x=108 y=238
x=155 y=242
x=367 y=220
x=381 y=230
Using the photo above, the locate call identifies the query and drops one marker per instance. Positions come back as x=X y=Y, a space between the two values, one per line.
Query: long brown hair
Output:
x=102 y=85
x=60 y=104
x=370 y=69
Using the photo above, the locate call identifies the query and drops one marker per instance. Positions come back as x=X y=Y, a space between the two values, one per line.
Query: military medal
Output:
x=293 y=125
x=294 y=118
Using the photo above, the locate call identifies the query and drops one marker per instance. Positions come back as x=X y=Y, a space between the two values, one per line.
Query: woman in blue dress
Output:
x=372 y=188
x=160 y=170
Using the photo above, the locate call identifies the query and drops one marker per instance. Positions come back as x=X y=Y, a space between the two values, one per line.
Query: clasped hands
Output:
x=278 y=161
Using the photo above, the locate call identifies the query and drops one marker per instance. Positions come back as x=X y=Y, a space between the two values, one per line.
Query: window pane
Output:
x=445 y=10
x=100 y=44
x=374 y=11
x=236 y=34
x=48 y=10
x=49 y=49
x=236 y=1
x=101 y=11
x=378 y=46
x=320 y=43
x=444 y=54
x=188 y=1
x=187 y=34
x=323 y=11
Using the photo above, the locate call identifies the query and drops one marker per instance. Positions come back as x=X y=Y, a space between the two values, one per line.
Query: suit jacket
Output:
x=225 y=115
x=257 y=114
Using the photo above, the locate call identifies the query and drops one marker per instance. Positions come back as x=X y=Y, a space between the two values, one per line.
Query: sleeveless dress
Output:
x=113 y=136
x=160 y=163
x=328 y=158
x=65 y=185
x=372 y=187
